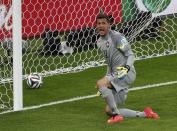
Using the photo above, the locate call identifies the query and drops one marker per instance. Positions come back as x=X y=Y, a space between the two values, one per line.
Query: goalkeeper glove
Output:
x=122 y=71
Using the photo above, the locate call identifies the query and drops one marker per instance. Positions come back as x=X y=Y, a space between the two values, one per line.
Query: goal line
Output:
x=88 y=97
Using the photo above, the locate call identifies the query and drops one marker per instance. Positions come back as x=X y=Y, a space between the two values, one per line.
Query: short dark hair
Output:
x=103 y=16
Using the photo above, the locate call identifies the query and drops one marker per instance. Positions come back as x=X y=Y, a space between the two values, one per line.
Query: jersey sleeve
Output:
x=123 y=46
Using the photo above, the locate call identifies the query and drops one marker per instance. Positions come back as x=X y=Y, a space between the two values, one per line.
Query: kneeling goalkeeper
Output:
x=120 y=58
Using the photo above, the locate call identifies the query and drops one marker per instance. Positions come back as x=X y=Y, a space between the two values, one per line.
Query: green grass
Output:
x=149 y=71
x=164 y=44
x=88 y=115
x=38 y=63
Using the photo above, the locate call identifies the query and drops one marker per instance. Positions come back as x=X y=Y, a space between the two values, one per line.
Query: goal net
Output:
x=59 y=36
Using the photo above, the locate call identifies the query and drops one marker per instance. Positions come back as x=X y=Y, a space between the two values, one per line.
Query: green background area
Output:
x=129 y=10
x=34 y=61
x=88 y=115
x=156 y=6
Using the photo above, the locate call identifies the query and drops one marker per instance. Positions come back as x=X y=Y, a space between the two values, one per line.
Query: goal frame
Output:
x=17 y=55
x=16 y=78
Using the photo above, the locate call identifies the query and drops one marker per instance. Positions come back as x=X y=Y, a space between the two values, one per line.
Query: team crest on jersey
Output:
x=123 y=43
x=107 y=44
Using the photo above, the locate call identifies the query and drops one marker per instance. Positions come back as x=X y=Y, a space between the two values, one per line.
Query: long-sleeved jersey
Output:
x=116 y=50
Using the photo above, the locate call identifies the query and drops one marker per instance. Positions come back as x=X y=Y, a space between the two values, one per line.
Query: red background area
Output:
x=61 y=15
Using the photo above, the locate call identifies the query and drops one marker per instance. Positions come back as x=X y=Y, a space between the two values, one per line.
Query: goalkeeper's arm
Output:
x=130 y=60
x=122 y=71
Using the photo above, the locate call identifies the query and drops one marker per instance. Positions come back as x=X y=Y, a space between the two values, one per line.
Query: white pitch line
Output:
x=88 y=97
x=153 y=85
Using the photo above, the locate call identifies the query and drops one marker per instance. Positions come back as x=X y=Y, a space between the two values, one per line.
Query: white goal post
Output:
x=58 y=36
x=17 y=55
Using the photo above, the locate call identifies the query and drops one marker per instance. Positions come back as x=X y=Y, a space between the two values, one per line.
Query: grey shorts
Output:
x=120 y=96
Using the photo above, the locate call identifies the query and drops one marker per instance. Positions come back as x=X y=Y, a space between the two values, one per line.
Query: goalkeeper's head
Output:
x=103 y=24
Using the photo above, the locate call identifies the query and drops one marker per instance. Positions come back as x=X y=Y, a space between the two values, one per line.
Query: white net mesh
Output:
x=5 y=56
x=59 y=35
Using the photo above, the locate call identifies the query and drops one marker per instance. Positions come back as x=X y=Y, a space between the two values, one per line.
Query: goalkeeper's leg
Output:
x=147 y=113
x=120 y=99
x=103 y=86
x=126 y=112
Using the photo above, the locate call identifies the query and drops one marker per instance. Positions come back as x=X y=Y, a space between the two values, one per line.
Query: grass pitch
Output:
x=88 y=115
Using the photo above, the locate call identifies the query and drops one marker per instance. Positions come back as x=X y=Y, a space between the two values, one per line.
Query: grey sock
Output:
x=131 y=113
x=109 y=98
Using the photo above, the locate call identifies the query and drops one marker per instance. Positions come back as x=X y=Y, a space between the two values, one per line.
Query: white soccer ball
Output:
x=34 y=80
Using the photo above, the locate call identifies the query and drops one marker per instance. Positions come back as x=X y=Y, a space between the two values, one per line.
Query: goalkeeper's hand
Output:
x=122 y=71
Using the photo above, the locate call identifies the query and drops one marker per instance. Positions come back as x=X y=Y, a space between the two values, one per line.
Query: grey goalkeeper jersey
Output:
x=116 y=50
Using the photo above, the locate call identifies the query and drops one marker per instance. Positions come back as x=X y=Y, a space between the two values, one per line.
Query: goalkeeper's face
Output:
x=103 y=26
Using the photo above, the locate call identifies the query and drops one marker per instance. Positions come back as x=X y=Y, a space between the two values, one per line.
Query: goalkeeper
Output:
x=119 y=57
